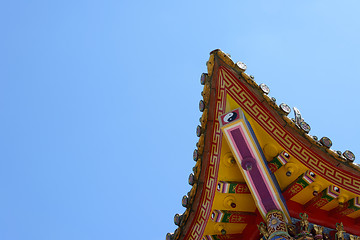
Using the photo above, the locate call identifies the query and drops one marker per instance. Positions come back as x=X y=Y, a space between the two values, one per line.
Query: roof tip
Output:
x=215 y=50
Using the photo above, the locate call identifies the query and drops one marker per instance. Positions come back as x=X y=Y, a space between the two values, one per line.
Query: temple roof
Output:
x=311 y=177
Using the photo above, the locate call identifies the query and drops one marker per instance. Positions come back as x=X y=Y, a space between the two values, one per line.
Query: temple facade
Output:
x=259 y=173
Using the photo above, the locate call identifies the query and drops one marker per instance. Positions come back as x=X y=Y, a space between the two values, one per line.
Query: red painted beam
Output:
x=251 y=231
x=322 y=218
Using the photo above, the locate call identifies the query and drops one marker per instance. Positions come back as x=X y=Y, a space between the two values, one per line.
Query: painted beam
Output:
x=323 y=198
x=252 y=163
x=278 y=161
x=347 y=208
x=225 y=216
x=232 y=187
x=321 y=217
x=299 y=184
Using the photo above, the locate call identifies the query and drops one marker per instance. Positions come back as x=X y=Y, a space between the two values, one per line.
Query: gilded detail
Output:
x=340 y=232
x=263 y=230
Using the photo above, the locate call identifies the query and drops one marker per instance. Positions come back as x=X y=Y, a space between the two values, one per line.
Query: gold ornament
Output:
x=304 y=223
x=263 y=230
x=318 y=229
x=340 y=231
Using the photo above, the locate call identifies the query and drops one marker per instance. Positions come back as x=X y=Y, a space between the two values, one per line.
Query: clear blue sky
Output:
x=99 y=101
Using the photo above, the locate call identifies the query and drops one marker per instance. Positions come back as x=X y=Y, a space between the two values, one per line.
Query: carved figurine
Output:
x=318 y=229
x=304 y=223
x=340 y=232
x=263 y=230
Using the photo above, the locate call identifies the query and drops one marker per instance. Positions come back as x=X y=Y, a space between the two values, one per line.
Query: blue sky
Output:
x=99 y=101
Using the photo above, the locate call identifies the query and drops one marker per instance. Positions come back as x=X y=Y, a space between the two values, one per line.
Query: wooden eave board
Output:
x=230 y=88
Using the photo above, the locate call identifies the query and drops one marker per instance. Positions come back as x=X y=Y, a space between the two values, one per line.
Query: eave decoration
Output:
x=259 y=174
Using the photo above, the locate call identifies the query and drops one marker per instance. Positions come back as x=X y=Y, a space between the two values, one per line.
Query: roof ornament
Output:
x=325 y=141
x=242 y=66
x=350 y=156
x=204 y=78
x=298 y=118
x=178 y=219
x=201 y=106
x=195 y=155
x=340 y=154
x=264 y=88
x=169 y=236
x=185 y=201
x=199 y=131
x=191 y=179
x=286 y=109
x=299 y=121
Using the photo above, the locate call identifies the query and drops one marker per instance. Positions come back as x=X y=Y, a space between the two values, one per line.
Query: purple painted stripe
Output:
x=241 y=143
x=254 y=173
x=263 y=159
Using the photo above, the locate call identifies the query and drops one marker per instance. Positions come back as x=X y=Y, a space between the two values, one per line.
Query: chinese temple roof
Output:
x=260 y=173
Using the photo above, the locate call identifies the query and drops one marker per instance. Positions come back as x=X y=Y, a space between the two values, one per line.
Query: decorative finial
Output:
x=195 y=155
x=185 y=201
x=191 y=179
x=169 y=236
x=178 y=219
x=286 y=109
x=299 y=121
x=242 y=66
x=198 y=131
x=264 y=88
x=201 y=106
x=298 y=118
x=326 y=142
x=349 y=155
x=203 y=78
